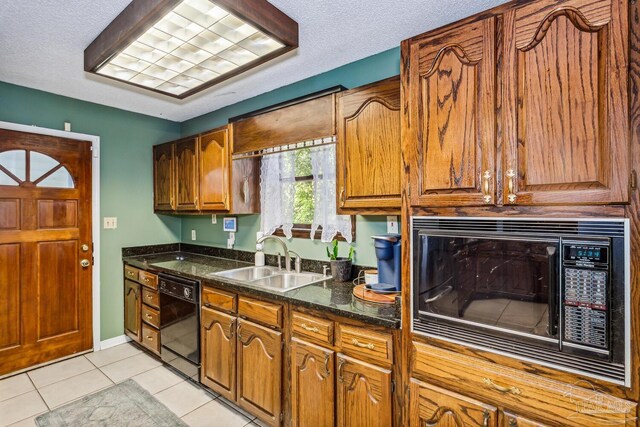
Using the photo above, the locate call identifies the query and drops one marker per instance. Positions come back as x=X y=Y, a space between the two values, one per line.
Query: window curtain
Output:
x=323 y=166
x=277 y=192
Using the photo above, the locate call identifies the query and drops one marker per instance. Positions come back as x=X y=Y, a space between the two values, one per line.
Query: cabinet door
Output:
x=163 y=178
x=449 y=125
x=312 y=385
x=132 y=310
x=364 y=394
x=214 y=169
x=218 y=346
x=369 y=148
x=513 y=420
x=187 y=180
x=260 y=371
x=437 y=407
x=565 y=103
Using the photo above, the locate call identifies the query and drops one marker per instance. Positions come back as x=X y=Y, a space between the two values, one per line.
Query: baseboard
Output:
x=112 y=342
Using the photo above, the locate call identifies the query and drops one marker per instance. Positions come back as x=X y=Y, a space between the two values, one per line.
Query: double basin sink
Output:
x=271 y=277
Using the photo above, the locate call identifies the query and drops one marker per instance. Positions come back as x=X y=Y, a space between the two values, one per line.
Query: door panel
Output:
x=9 y=296
x=45 y=199
x=213 y=160
x=451 y=116
x=434 y=406
x=57 y=303
x=566 y=121
x=187 y=174
x=132 y=310
x=219 y=352
x=364 y=394
x=312 y=385
x=163 y=177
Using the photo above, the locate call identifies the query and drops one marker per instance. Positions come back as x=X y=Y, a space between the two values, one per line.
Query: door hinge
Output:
x=633 y=180
x=393 y=386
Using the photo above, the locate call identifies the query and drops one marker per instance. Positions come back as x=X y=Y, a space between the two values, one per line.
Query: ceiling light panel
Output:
x=192 y=45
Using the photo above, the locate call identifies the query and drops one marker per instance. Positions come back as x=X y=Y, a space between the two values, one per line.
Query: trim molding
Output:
x=112 y=342
x=95 y=209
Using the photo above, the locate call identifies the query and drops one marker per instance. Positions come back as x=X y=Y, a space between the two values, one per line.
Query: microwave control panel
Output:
x=585 y=296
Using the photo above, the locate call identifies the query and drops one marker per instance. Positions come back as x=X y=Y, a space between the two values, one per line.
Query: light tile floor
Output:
x=25 y=396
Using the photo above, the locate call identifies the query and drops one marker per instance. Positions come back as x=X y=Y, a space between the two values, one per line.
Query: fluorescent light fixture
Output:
x=180 y=47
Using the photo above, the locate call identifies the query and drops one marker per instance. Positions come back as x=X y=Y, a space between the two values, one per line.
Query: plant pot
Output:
x=341 y=269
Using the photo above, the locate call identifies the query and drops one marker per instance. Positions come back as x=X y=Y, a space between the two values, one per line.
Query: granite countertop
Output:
x=329 y=295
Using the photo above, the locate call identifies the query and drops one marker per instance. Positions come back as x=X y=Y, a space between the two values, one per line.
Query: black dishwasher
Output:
x=180 y=324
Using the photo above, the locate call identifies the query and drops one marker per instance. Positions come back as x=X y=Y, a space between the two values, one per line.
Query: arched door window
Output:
x=18 y=167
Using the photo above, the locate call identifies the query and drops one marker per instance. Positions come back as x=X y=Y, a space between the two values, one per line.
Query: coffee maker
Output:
x=387 y=248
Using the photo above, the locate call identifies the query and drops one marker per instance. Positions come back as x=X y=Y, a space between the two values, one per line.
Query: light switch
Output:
x=110 y=223
x=392 y=224
x=193 y=234
x=214 y=219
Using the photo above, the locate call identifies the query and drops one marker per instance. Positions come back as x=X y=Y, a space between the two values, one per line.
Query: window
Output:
x=291 y=184
x=41 y=170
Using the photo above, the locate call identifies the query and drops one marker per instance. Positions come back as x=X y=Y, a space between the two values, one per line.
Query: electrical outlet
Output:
x=67 y=126
x=214 y=219
x=110 y=223
x=229 y=244
x=392 y=224
x=193 y=234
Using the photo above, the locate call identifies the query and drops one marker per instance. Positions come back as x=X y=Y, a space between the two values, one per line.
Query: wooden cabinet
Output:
x=450 y=120
x=196 y=174
x=434 y=406
x=186 y=173
x=259 y=365
x=132 y=310
x=363 y=394
x=513 y=420
x=312 y=385
x=533 y=111
x=163 y=177
x=368 y=149
x=218 y=342
x=565 y=102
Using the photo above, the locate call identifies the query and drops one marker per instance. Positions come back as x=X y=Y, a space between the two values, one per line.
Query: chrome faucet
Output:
x=298 y=261
x=283 y=245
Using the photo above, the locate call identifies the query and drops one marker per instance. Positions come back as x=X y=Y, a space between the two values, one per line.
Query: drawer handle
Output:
x=309 y=328
x=149 y=296
x=149 y=316
x=150 y=338
x=357 y=343
x=501 y=389
x=146 y=279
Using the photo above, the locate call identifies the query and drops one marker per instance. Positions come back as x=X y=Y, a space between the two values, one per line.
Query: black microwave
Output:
x=554 y=292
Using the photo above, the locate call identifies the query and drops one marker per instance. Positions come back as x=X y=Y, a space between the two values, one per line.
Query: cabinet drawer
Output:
x=150 y=316
x=148 y=279
x=151 y=298
x=363 y=343
x=151 y=338
x=260 y=311
x=544 y=398
x=221 y=300
x=131 y=273
x=313 y=328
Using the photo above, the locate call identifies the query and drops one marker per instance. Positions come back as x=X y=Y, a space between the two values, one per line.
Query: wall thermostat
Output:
x=230 y=224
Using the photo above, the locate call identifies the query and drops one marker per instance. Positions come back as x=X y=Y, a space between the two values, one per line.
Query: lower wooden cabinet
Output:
x=312 y=385
x=435 y=406
x=364 y=396
x=218 y=343
x=513 y=420
x=132 y=310
x=259 y=365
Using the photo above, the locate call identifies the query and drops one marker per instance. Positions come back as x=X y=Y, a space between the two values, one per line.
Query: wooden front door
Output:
x=45 y=249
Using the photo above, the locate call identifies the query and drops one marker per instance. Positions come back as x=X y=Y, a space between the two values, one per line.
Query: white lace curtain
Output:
x=277 y=192
x=323 y=165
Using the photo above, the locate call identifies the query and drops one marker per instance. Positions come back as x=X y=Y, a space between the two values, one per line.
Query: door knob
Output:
x=85 y=263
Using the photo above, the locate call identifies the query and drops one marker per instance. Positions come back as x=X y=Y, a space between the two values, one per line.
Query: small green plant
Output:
x=332 y=253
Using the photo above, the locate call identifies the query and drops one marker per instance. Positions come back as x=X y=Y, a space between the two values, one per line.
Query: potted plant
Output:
x=340 y=266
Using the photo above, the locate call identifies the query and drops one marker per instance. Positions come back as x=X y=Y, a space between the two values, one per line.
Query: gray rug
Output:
x=124 y=404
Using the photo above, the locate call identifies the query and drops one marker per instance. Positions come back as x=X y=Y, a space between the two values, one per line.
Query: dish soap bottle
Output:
x=259 y=255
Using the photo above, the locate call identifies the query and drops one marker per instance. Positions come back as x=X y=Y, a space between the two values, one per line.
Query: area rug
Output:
x=124 y=404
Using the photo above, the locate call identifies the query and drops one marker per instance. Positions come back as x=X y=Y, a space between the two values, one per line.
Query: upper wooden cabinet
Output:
x=450 y=120
x=368 y=157
x=528 y=107
x=565 y=103
x=164 y=188
x=196 y=174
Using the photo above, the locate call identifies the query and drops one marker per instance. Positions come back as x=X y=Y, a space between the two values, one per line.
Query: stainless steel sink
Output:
x=247 y=274
x=271 y=277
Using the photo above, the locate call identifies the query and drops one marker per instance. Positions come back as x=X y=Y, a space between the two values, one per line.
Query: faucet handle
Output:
x=324 y=270
x=279 y=262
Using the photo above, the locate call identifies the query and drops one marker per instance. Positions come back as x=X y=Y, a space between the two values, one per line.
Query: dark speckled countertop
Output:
x=329 y=295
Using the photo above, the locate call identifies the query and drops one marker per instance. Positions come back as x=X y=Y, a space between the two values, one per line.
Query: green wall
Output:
x=125 y=178
x=377 y=67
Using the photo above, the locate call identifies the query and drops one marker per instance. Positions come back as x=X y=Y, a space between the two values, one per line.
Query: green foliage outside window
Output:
x=303 y=205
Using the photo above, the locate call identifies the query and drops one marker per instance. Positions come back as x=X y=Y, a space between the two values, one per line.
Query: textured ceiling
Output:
x=42 y=44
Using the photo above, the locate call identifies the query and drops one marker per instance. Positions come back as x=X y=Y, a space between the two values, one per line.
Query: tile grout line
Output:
x=195 y=409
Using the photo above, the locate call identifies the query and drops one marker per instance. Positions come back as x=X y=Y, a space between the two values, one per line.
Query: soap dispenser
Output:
x=259 y=252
